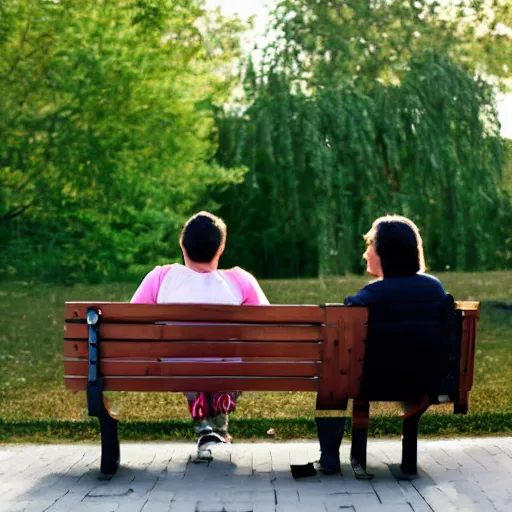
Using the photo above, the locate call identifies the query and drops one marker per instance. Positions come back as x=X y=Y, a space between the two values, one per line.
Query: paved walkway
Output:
x=465 y=474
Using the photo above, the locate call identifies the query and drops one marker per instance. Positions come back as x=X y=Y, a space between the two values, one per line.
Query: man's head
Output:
x=394 y=247
x=203 y=237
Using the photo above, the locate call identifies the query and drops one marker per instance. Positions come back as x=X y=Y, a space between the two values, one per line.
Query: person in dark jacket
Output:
x=394 y=254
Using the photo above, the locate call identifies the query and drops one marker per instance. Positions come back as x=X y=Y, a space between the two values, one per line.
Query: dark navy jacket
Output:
x=417 y=288
x=411 y=348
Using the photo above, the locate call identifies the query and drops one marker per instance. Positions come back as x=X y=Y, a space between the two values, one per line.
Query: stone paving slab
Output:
x=464 y=474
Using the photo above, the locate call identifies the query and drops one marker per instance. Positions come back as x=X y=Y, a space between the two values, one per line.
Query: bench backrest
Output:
x=281 y=348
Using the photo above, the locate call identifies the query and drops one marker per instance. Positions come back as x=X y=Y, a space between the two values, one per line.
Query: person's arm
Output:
x=147 y=292
x=252 y=294
x=361 y=298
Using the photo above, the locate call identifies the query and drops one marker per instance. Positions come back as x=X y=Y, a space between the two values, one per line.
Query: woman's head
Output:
x=203 y=238
x=394 y=247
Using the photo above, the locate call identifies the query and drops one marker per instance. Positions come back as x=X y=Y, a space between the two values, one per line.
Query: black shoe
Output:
x=208 y=439
x=359 y=472
x=328 y=467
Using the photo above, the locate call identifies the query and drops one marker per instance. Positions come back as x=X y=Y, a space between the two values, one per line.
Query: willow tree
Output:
x=331 y=43
x=324 y=165
x=363 y=108
x=269 y=213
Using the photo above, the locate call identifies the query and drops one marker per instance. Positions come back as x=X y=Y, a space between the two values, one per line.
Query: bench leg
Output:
x=410 y=442
x=96 y=402
x=110 y=453
x=461 y=405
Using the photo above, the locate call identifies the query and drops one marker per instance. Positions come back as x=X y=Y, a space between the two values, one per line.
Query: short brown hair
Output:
x=399 y=245
x=202 y=236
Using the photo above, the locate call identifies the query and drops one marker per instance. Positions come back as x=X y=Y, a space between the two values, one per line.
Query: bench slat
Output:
x=197 y=384
x=468 y=305
x=121 y=368
x=309 y=351
x=121 y=311
x=198 y=332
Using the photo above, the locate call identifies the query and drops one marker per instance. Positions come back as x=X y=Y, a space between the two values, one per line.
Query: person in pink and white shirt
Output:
x=199 y=281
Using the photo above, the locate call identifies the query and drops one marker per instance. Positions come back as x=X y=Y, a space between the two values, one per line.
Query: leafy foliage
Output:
x=106 y=130
x=324 y=165
x=111 y=134
x=366 y=108
x=508 y=168
x=332 y=43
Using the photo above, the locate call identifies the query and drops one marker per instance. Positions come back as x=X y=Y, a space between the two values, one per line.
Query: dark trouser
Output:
x=361 y=410
x=330 y=434
x=360 y=420
x=410 y=441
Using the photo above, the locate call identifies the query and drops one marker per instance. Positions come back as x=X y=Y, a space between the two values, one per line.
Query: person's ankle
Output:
x=329 y=463
x=203 y=428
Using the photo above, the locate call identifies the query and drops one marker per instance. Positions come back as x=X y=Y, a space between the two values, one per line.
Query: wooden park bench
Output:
x=138 y=347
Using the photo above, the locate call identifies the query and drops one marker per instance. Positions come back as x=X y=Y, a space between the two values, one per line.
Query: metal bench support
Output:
x=110 y=453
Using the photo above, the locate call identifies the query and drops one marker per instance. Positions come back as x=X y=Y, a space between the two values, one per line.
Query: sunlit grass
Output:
x=31 y=368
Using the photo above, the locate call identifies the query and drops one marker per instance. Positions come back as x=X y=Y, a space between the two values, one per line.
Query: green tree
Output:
x=508 y=168
x=324 y=165
x=333 y=43
x=361 y=108
x=107 y=130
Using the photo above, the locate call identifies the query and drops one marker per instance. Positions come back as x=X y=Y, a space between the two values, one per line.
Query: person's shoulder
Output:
x=365 y=295
x=241 y=276
x=252 y=293
x=239 y=269
x=430 y=280
x=376 y=283
x=239 y=272
x=373 y=286
x=160 y=270
x=429 y=277
x=147 y=292
x=158 y=273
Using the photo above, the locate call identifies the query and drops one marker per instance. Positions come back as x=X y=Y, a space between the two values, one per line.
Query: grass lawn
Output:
x=34 y=401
